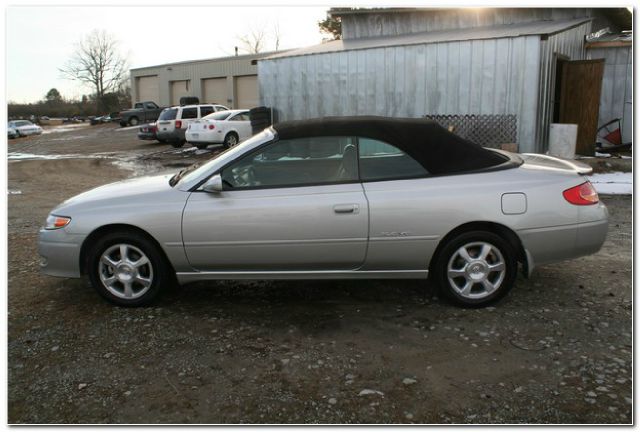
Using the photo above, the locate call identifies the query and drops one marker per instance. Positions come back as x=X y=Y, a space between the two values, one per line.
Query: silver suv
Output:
x=173 y=122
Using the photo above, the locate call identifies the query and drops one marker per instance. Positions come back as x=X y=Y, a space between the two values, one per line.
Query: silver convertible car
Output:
x=332 y=198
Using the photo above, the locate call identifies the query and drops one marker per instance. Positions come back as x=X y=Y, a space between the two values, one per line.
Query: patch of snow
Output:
x=14 y=192
x=615 y=183
x=127 y=128
x=63 y=128
x=603 y=155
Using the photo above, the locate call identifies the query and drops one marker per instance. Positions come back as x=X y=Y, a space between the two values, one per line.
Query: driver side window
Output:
x=296 y=162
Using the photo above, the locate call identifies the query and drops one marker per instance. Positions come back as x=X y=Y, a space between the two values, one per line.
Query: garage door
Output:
x=214 y=90
x=247 y=92
x=147 y=89
x=178 y=90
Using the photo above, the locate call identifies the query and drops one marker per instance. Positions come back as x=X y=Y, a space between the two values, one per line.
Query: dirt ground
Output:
x=556 y=350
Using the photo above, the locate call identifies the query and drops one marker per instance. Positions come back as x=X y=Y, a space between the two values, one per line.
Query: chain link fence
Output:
x=488 y=130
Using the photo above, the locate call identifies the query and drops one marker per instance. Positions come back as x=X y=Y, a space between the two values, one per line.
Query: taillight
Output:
x=583 y=194
x=211 y=126
x=178 y=124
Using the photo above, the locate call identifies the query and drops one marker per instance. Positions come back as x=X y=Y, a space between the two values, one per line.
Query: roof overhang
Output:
x=543 y=28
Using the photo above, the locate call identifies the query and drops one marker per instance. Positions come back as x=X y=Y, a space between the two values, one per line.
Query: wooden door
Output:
x=580 y=100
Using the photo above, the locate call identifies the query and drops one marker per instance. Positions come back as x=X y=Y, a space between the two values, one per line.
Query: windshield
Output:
x=221 y=115
x=168 y=114
x=197 y=170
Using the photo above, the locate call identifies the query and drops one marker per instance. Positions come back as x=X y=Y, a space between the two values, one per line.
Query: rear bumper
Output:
x=59 y=253
x=146 y=136
x=208 y=138
x=559 y=243
x=175 y=135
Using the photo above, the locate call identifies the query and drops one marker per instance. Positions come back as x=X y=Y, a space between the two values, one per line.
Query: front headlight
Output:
x=56 y=222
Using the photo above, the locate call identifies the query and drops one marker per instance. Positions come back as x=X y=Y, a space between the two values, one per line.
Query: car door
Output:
x=241 y=123
x=404 y=208
x=293 y=205
x=150 y=111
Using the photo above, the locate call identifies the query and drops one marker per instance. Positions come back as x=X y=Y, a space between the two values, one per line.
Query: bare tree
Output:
x=253 y=42
x=98 y=63
x=257 y=37
x=277 y=35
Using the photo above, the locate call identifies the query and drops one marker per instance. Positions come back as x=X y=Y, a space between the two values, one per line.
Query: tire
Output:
x=230 y=140
x=201 y=146
x=163 y=141
x=122 y=282
x=122 y=123
x=133 y=121
x=177 y=144
x=479 y=281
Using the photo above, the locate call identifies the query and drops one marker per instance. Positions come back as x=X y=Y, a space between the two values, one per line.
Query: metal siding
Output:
x=616 y=96
x=569 y=43
x=370 y=24
x=477 y=77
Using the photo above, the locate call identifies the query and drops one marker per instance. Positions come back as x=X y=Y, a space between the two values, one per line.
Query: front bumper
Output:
x=59 y=253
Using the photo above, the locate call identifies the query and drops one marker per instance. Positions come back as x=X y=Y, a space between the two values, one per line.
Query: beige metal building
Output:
x=231 y=81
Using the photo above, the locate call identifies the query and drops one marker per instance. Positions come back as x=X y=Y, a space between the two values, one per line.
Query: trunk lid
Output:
x=542 y=161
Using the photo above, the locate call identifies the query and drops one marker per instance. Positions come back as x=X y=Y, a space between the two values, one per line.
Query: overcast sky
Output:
x=40 y=39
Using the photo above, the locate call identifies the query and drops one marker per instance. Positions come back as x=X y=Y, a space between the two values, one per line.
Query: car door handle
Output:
x=346 y=208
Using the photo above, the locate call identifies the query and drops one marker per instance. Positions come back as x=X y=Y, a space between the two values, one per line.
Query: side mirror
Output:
x=214 y=184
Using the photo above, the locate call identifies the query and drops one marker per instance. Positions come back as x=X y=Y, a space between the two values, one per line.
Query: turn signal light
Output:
x=56 y=222
x=583 y=194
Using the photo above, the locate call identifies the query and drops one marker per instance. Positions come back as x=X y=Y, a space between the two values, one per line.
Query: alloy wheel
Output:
x=476 y=270
x=125 y=271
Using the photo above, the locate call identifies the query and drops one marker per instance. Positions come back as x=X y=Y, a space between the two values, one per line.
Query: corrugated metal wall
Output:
x=569 y=44
x=195 y=72
x=374 y=24
x=493 y=76
x=616 y=98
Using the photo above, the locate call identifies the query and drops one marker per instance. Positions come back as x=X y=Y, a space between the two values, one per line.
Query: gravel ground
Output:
x=558 y=349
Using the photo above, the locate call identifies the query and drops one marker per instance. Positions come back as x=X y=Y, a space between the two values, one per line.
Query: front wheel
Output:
x=476 y=268
x=133 y=121
x=127 y=269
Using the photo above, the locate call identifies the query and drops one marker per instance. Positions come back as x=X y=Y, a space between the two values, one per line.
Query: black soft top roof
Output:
x=435 y=148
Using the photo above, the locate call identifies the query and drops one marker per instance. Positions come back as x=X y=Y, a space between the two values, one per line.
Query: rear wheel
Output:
x=230 y=140
x=126 y=268
x=476 y=268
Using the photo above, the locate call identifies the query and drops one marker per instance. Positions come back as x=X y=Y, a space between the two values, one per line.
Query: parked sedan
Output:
x=333 y=198
x=225 y=127
x=23 y=128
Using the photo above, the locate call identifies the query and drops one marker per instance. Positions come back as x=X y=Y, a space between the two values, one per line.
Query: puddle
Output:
x=69 y=138
x=33 y=156
x=133 y=164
